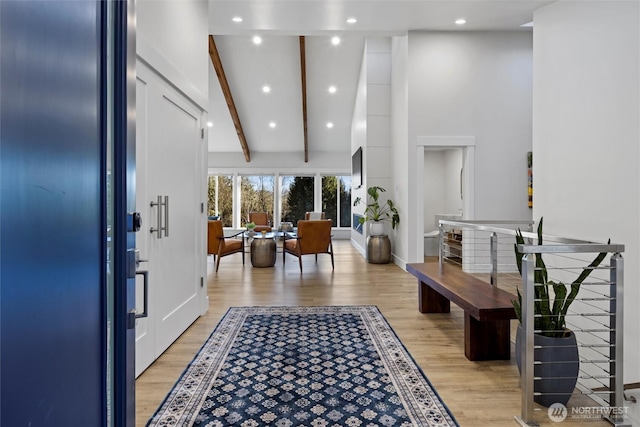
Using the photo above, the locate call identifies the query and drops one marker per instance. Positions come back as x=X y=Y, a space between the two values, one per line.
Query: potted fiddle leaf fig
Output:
x=376 y=213
x=555 y=345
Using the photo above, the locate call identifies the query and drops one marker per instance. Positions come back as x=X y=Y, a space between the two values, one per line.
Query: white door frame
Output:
x=468 y=145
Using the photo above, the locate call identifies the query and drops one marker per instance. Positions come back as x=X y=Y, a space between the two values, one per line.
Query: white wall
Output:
x=586 y=134
x=476 y=85
x=378 y=150
x=178 y=30
x=319 y=161
x=399 y=129
x=359 y=139
x=371 y=128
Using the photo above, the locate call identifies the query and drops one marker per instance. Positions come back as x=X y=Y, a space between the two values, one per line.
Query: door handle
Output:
x=158 y=227
x=166 y=216
x=163 y=207
x=145 y=281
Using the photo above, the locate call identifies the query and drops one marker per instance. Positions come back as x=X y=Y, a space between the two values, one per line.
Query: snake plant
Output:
x=550 y=316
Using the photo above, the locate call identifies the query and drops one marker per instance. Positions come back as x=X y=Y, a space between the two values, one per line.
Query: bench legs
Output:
x=488 y=340
x=430 y=301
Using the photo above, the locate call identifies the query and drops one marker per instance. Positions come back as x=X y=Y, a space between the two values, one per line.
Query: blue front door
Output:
x=63 y=236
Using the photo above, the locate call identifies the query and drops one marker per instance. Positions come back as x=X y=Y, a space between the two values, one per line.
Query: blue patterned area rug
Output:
x=303 y=366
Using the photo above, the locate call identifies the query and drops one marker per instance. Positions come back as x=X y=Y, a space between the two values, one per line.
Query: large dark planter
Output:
x=559 y=370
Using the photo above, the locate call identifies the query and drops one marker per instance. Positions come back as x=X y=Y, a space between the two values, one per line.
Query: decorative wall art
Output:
x=356 y=223
x=530 y=177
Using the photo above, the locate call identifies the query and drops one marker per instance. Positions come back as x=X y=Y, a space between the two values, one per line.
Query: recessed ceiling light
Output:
x=332 y=89
x=236 y=19
x=257 y=39
x=272 y=125
x=210 y=124
x=352 y=21
x=329 y=125
x=266 y=89
x=461 y=21
x=335 y=40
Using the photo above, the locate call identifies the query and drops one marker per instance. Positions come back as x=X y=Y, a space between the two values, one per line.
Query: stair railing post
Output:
x=493 y=249
x=616 y=292
x=527 y=343
x=441 y=253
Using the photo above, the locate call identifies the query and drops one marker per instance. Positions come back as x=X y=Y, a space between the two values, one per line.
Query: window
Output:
x=297 y=197
x=330 y=198
x=221 y=198
x=336 y=199
x=345 y=201
x=232 y=197
x=257 y=195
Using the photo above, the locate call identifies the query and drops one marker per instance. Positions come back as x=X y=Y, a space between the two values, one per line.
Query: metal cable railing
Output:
x=554 y=297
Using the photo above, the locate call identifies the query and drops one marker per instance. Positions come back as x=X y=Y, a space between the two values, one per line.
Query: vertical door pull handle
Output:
x=166 y=216
x=158 y=227
x=145 y=277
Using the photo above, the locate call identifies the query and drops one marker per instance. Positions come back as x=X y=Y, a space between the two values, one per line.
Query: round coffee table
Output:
x=263 y=250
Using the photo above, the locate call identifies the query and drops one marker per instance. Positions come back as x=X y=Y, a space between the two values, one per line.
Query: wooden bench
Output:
x=487 y=309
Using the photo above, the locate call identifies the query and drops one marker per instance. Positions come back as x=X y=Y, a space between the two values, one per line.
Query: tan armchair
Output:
x=261 y=220
x=313 y=237
x=220 y=245
x=314 y=215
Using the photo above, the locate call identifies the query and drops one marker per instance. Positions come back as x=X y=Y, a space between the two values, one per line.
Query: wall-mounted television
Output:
x=356 y=168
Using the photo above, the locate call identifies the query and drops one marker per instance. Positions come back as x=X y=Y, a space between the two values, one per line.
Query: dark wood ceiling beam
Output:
x=224 y=84
x=303 y=72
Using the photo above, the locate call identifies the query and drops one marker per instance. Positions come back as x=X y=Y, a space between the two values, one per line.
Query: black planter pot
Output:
x=559 y=370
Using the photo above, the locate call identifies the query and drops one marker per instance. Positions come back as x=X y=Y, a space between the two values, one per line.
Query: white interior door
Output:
x=168 y=165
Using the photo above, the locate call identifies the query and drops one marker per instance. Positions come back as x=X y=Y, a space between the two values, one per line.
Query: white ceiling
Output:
x=276 y=61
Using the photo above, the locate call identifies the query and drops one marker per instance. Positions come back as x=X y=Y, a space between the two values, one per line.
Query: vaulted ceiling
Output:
x=273 y=120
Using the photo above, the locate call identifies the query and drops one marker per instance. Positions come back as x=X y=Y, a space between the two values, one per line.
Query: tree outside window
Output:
x=220 y=198
x=257 y=195
x=330 y=198
x=297 y=197
x=336 y=199
x=345 y=201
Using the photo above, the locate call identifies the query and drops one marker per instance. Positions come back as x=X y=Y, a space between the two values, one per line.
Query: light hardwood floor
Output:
x=485 y=394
